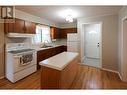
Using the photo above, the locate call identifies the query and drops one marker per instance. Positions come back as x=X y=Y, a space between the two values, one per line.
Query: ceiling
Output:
x=55 y=13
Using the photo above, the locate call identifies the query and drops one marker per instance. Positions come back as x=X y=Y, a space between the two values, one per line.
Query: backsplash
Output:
x=60 y=42
x=18 y=40
x=28 y=40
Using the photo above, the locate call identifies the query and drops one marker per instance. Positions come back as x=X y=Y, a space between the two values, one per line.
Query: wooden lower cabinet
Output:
x=44 y=54
x=55 y=79
x=59 y=49
x=64 y=48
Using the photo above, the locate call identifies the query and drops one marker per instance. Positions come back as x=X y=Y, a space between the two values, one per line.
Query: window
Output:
x=42 y=34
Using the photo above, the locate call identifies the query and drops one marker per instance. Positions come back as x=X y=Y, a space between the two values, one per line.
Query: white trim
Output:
x=2 y=77
x=102 y=68
x=106 y=70
x=109 y=70
x=113 y=72
x=121 y=45
x=120 y=76
x=82 y=41
x=122 y=48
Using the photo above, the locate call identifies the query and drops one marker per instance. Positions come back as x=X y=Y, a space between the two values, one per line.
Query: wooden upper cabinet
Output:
x=9 y=27
x=30 y=27
x=20 y=26
x=65 y=31
x=55 y=34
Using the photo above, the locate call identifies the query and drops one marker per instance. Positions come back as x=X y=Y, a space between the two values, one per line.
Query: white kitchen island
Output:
x=59 y=71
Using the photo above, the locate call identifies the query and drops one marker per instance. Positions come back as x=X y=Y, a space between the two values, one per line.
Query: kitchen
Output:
x=24 y=50
x=41 y=52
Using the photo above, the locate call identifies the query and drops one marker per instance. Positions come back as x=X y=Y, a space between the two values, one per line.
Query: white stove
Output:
x=20 y=61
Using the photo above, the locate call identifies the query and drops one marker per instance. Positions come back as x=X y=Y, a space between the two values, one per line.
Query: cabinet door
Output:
x=9 y=28
x=65 y=31
x=71 y=30
x=60 y=49
x=55 y=33
x=44 y=54
x=65 y=48
x=30 y=27
x=57 y=50
x=40 y=56
x=18 y=26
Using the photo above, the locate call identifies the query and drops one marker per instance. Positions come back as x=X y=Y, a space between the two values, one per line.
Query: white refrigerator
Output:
x=72 y=42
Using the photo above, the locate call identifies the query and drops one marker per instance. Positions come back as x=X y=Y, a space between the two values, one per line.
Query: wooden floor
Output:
x=87 y=78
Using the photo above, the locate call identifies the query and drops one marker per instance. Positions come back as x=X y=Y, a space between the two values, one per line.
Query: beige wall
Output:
x=122 y=64
x=1 y=50
x=109 y=39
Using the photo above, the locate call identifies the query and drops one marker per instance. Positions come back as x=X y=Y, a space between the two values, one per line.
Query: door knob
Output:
x=98 y=44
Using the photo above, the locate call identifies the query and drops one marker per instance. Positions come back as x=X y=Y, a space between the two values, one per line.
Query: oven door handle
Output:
x=25 y=63
x=17 y=56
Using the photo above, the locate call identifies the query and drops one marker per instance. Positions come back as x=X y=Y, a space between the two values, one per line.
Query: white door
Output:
x=92 y=39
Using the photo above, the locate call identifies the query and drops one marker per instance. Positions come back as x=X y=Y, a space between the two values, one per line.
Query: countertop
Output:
x=60 y=61
x=38 y=48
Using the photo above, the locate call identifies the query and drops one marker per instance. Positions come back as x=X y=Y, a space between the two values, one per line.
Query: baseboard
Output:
x=106 y=70
x=120 y=75
x=109 y=70
x=113 y=72
x=2 y=77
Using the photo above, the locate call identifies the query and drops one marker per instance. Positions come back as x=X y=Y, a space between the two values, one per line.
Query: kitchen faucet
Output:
x=44 y=45
x=45 y=42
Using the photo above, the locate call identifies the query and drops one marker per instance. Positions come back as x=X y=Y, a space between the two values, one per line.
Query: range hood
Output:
x=21 y=35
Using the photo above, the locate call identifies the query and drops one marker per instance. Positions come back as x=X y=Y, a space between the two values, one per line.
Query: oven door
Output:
x=26 y=59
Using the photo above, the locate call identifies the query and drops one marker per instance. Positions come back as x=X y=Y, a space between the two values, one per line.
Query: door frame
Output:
x=82 y=35
x=121 y=48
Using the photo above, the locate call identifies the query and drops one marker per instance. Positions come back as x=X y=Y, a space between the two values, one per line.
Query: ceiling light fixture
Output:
x=68 y=15
x=69 y=18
